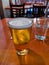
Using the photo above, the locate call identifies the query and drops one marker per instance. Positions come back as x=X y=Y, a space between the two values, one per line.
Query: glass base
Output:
x=31 y=58
x=40 y=37
x=22 y=52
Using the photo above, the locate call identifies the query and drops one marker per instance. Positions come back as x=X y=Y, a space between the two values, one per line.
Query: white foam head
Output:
x=20 y=23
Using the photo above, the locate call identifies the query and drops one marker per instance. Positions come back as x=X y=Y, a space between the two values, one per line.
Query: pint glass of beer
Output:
x=21 y=33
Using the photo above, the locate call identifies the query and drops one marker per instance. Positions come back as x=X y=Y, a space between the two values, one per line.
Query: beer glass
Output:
x=21 y=33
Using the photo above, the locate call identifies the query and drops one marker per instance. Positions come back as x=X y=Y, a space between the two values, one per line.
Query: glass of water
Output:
x=41 y=28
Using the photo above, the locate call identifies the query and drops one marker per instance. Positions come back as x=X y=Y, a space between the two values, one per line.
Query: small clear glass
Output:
x=41 y=28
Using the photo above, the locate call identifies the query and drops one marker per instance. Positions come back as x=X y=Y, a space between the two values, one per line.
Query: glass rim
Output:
x=26 y=23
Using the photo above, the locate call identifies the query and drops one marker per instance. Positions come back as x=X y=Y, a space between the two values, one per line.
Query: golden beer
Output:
x=20 y=31
x=20 y=36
